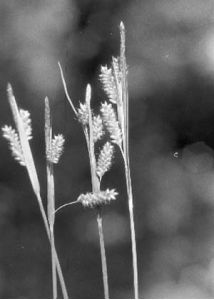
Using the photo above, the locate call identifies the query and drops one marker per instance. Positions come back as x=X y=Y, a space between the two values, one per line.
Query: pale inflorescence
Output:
x=25 y=116
x=111 y=123
x=83 y=115
x=12 y=136
x=108 y=82
x=97 y=199
x=105 y=159
x=111 y=80
x=56 y=149
x=97 y=125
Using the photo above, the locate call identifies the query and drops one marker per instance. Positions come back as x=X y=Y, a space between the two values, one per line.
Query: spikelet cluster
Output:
x=97 y=124
x=110 y=121
x=108 y=82
x=116 y=69
x=105 y=159
x=97 y=199
x=11 y=135
x=57 y=145
x=25 y=116
x=83 y=115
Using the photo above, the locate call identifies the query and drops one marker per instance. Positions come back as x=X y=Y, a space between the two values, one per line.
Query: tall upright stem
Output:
x=132 y=228
x=50 y=191
x=31 y=169
x=125 y=153
x=58 y=266
x=103 y=255
x=53 y=263
x=96 y=189
x=94 y=179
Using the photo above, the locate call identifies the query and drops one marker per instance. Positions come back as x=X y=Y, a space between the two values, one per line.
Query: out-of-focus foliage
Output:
x=170 y=53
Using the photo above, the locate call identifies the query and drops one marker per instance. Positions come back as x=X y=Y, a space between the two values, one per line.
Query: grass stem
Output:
x=103 y=255
x=31 y=169
x=94 y=179
x=53 y=263
x=50 y=192
x=96 y=189
x=125 y=154
x=58 y=266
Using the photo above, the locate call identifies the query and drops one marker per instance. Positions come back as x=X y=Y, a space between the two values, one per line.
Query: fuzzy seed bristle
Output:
x=110 y=120
x=25 y=116
x=93 y=200
x=108 y=82
x=97 y=128
x=82 y=113
x=11 y=135
x=57 y=146
x=105 y=159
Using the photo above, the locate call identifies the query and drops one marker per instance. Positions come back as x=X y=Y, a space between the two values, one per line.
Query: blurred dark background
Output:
x=170 y=53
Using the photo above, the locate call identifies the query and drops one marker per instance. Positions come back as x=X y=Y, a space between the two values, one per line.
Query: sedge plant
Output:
x=115 y=117
x=54 y=149
x=115 y=114
x=94 y=131
x=19 y=144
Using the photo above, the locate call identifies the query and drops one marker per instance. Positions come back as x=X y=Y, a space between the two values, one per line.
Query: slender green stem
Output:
x=103 y=255
x=58 y=266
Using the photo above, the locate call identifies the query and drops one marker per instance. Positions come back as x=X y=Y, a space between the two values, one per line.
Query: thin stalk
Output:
x=65 y=89
x=96 y=188
x=132 y=227
x=126 y=158
x=94 y=179
x=58 y=266
x=51 y=217
x=50 y=192
x=31 y=169
x=66 y=204
x=103 y=255
x=53 y=263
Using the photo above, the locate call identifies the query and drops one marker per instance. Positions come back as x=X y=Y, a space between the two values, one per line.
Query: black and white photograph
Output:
x=106 y=149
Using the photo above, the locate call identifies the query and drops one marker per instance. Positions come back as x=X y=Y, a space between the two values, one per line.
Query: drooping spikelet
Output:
x=10 y=134
x=96 y=199
x=56 y=149
x=83 y=115
x=97 y=125
x=109 y=84
x=110 y=120
x=25 y=116
x=105 y=159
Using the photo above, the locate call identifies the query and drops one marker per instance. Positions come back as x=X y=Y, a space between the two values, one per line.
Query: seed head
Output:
x=56 y=149
x=97 y=128
x=108 y=82
x=11 y=135
x=97 y=199
x=105 y=159
x=82 y=113
x=25 y=116
x=110 y=120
